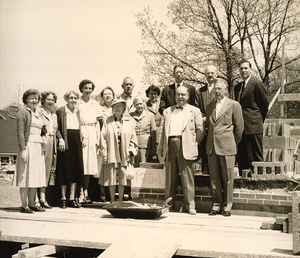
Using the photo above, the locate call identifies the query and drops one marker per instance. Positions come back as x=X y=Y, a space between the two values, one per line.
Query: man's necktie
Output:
x=241 y=91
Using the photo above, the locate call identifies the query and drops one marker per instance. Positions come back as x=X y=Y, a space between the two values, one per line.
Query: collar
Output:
x=176 y=84
x=125 y=96
x=68 y=111
x=247 y=80
x=221 y=101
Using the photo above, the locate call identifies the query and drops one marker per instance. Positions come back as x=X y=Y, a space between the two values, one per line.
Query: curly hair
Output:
x=107 y=88
x=29 y=92
x=152 y=88
x=45 y=94
x=68 y=93
x=84 y=82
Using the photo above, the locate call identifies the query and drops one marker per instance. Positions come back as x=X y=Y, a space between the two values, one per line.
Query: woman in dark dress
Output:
x=70 y=159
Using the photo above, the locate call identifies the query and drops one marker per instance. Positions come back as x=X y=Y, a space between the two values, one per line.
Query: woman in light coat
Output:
x=118 y=145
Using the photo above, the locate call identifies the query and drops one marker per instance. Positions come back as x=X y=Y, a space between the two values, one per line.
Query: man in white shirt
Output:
x=182 y=130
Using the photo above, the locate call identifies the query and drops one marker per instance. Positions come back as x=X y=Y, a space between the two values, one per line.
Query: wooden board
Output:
x=201 y=235
x=149 y=246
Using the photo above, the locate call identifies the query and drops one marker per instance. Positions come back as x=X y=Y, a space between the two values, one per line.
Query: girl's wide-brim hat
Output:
x=118 y=100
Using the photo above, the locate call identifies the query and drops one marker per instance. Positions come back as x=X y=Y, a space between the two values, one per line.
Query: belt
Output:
x=175 y=136
x=88 y=124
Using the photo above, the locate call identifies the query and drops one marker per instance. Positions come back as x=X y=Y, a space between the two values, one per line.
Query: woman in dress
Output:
x=48 y=100
x=90 y=113
x=118 y=146
x=145 y=129
x=30 y=170
x=69 y=160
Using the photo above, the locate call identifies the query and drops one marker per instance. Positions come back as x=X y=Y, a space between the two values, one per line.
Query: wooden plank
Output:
x=289 y=97
x=148 y=246
x=40 y=251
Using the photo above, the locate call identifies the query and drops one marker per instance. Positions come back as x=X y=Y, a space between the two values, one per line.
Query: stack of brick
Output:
x=279 y=148
x=296 y=222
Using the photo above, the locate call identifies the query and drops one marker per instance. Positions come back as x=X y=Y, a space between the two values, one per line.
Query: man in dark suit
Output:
x=167 y=98
x=205 y=95
x=225 y=127
x=181 y=133
x=252 y=96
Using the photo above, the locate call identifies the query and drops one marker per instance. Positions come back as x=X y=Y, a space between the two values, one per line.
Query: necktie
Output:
x=241 y=91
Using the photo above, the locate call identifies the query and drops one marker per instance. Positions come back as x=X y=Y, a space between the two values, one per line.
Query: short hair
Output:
x=209 y=66
x=127 y=77
x=153 y=88
x=68 y=93
x=221 y=81
x=45 y=94
x=178 y=66
x=136 y=98
x=245 y=61
x=107 y=88
x=84 y=82
x=187 y=89
x=29 y=92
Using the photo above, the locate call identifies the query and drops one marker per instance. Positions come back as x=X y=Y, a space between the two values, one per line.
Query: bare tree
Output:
x=218 y=32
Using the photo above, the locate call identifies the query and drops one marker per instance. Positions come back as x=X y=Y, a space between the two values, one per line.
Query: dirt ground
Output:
x=9 y=195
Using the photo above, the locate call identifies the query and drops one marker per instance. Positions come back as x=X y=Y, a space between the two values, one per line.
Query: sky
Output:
x=53 y=45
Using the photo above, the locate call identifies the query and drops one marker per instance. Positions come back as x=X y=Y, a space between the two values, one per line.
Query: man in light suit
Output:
x=168 y=96
x=225 y=124
x=252 y=96
x=181 y=133
x=205 y=95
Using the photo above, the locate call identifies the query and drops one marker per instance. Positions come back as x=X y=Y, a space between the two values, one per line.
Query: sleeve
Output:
x=192 y=100
x=261 y=99
x=59 y=126
x=200 y=132
x=103 y=142
x=153 y=134
x=133 y=140
x=238 y=122
x=21 y=125
x=162 y=138
x=163 y=101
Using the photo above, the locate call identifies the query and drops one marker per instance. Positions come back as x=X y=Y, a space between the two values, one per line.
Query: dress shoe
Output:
x=37 y=208
x=26 y=210
x=74 y=204
x=63 y=204
x=213 y=213
x=226 y=213
x=88 y=200
x=46 y=205
x=103 y=199
x=192 y=212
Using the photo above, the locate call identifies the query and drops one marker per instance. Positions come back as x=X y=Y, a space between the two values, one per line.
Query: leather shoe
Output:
x=226 y=213
x=37 y=208
x=63 y=204
x=74 y=204
x=26 y=210
x=192 y=212
x=213 y=213
x=88 y=200
x=46 y=205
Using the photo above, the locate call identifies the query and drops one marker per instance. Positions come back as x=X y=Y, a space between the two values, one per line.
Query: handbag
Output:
x=130 y=172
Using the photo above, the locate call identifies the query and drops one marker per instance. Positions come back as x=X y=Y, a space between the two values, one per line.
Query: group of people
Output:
x=176 y=126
